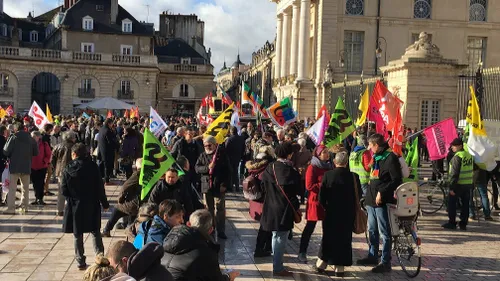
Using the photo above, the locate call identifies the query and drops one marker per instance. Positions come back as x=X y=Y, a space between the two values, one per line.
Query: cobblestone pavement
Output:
x=32 y=247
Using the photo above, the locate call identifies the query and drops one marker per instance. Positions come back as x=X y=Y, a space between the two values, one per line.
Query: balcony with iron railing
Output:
x=77 y=57
x=186 y=68
x=125 y=94
x=86 y=93
x=6 y=91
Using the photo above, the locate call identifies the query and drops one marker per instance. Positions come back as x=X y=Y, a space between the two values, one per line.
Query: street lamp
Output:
x=379 y=50
x=342 y=58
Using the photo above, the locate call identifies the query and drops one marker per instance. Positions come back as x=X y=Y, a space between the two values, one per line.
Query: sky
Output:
x=229 y=24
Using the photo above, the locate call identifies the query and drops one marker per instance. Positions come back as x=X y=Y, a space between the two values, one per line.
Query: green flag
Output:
x=412 y=161
x=340 y=125
x=156 y=161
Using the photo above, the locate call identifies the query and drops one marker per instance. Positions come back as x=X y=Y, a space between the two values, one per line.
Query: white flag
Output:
x=235 y=120
x=38 y=116
x=317 y=131
x=156 y=124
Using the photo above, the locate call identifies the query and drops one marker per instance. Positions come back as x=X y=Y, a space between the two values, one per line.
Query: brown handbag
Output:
x=360 y=218
x=297 y=214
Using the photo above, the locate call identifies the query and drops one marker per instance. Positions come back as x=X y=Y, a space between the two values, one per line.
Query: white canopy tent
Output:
x=106 y=103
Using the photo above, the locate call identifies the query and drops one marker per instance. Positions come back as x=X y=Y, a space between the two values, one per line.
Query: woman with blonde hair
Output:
x=100 y=270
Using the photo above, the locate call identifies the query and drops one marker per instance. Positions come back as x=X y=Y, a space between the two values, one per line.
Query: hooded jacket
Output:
x=19 y=148
x=191 y=256
x=145 y=265
x=158 y=230
x=163 y=191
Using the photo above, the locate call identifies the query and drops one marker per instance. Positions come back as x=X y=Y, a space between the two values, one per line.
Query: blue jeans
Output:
x=364 y=187
x=483 y=192
x=279 y=246
x=379 y=227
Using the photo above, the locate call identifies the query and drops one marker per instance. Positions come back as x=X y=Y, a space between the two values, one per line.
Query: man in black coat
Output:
x=385 y=178
x=190 y=252
x=235 y=149
x=187 y=147
x=107 y=144
x=144 y=264
x=84 y=191
x=213 y=167
x=171 y=188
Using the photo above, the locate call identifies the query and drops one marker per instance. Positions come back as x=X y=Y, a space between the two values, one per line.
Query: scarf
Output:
x=377 y=157
x=325 y=165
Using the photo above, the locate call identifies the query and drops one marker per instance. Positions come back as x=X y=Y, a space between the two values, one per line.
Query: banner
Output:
x=235 y=120
x=317 y=131
x=10 y=110
x=245 y=94
x=126 y=114
x=322 y=111
x=384 y=106
x=363 y=108
x=220 y=126
x=340 y=126
x=493 y=131
x=155 y=162
x=412 y=161
x=439 y=136
x=3 y=113
x=225 y=97
x=281 y=113
x=49 y=115
x=156 y=124
x=110 y=114
x=85 y=115
x=38 y=116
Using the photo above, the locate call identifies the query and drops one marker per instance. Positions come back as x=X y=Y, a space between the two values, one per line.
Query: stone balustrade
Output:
x=190 y=68
x=77 y=57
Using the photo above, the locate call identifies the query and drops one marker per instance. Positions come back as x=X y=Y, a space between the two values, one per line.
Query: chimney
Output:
x=114 y=10
x=1 y=6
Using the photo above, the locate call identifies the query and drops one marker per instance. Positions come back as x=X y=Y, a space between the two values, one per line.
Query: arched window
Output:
x=354 y=7
x=422 y=9
x=478 y=10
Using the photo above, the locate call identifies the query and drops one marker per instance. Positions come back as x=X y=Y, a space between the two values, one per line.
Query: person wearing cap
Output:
x=359 y=162
x=213 y=166
x=460 y=183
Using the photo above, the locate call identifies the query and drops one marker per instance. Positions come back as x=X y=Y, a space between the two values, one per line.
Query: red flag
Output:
x=10 y=110
x=238 y=105
x=126 y=114
x=374 y=116
x=110 y=114
x=397 y=136
x=137 y=112
x=322 y=111
x=387 y=104
x=210 y=101
x=439 y=136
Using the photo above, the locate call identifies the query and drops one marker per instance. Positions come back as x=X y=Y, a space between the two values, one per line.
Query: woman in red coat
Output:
x=320 y=163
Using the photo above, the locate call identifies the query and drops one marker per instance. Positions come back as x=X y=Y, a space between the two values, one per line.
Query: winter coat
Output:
x=83 y=189
x=128 y=201
x=302 y=159
x=20 y=148
x=389 y=178
x=158 y=231
x=191 y=256
x=235 y=149
x=220 y=176
x=163 y=191
x=145 y=265
x=314 y=177
x=256 y=169
x=61 y=156
x=129 y=147
x=189 y=150
x=3 y=158
x=42 y=160
x=277 y=214
x=107 y=144
x=337 y=197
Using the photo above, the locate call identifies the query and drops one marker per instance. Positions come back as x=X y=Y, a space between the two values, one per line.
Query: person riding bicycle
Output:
x=385 y=177
x=460 y=183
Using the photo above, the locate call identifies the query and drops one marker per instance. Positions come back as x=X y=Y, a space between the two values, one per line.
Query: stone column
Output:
x=279 y=32
x=285 y=46
x=295 y=40
x=305 y=21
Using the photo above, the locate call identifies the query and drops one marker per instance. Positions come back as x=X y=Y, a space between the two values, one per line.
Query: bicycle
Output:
x=477 y=203
x=432 y=195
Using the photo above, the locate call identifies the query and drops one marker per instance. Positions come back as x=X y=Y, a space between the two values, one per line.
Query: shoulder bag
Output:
x=297 y=214
x=360 y=218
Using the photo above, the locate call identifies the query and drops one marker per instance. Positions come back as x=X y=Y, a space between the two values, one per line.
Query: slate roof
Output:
x=102 y=22
x=175 y=49
x=25 y=25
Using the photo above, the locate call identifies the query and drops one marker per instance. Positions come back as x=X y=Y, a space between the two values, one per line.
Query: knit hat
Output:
x=318 y=150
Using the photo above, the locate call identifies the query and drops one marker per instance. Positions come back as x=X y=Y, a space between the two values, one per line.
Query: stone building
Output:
x=259 y=76
x=76 y=52
x=359 y=36
x=231 y=78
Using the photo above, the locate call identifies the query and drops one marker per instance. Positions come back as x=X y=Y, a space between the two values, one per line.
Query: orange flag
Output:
x=126 y=114
x=137 y=112
x=110 y=114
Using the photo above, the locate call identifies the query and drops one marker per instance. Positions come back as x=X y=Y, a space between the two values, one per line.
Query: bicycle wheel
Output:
x=408 y=253
x=431 y=197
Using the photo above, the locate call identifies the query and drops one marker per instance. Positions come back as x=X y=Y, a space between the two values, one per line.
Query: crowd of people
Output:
x=172 y=233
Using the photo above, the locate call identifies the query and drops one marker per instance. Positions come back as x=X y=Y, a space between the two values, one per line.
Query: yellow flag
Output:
x=363 y=107
x=474 y=115
x=49 y=115
x=3 y=113
x=220 y=126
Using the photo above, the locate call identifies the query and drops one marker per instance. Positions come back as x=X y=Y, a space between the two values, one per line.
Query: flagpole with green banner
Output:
x=412 y=161
x=155 y=162
x=340 y=126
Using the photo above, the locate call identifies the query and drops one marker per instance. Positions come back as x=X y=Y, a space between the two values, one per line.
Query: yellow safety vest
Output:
x=356 y=166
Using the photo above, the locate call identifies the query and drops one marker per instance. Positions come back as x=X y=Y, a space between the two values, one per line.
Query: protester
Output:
x=84 y=191
x=213 y=167
x=188 y=148
x=171 y=188
x=100 y=270
x=39 y=165
x=235 y=149
x=188 y=183
x=129 y=147
x=4 y=134
x=282 y=184
x=107 y=146
x=191 y=253
x=460 y=183
x=337 y=196
x=141 y=265
x=128 y=201
x=61 y=156
x=20 y=148
x=315 y=212
x=146 y=213
x=170 y=214
x=359 y=163
x=385 y=177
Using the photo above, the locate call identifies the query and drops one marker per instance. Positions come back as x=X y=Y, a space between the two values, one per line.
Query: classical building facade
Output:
x=74 y=53
x=230 y=78
x=360 y=36
x=259 y=76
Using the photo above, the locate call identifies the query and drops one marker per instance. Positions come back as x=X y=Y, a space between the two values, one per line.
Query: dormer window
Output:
x=33 y=36
x=4 y=30
x=127 y=26
x=20 y=32
x=88 y=23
